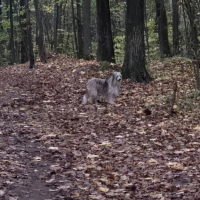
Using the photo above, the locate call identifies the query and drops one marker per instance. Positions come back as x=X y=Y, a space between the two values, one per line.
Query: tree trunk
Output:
x=186 y=30
x=175 y=28
x=39 y=34
x=59 y=40
x=74 y=27
x=1 y=30
x=194 y=39
x=23 y=43
x=16 y=42
x=105 y=49
x=146 y=32
x=11 y=35
x=0 y=15
x=134 y=60
x=86 y=29
x=162 y=29
x=55 y=25
x=80 y=29
x=29 y=36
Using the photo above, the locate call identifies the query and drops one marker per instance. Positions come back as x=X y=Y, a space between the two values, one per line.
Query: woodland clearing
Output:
x=53 y=147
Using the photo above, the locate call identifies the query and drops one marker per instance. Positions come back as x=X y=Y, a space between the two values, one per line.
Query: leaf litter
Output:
x=53 y=147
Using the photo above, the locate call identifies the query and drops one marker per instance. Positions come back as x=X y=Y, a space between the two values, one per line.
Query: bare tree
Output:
x=134 y=60
x=175 y=27
x=80 y=29
x=23 y=43
x=11 y=34
x=39 y=33
x=74 y=26
x=105 y=49
x=29 y=36
x=86 y=29
x=190 y=5
x=162 y=29
x=55 y=25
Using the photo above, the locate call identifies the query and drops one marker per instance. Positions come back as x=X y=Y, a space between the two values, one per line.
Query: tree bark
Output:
x=39 y=33
x=86 y=29
x=134 y=60
x=105 y=49
x=74 y=27
x=29 y=36
x=23 y=43
x=11 y=35
x=186 y=30
x=55 y=25
x=60 y=33
x=194 y=39
x=80 y=29
x=146 y=31
x=0 y=15
x=175 y=28
x=162 y=29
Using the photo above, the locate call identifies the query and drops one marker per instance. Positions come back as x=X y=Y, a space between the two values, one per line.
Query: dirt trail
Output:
x=28 y=180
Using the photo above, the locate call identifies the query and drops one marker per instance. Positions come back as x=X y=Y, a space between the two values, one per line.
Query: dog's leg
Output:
x=85 y=99
x=90 y=100
x=94 y=100
x=111 y=99
x=94 y=96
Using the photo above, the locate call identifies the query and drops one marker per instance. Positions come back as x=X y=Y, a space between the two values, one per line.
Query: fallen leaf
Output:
x=92 y=156
x=37 y=159
x=152 y=161
x=103 y=189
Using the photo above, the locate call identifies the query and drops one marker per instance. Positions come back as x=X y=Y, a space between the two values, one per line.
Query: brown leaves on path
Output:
x=134 y=149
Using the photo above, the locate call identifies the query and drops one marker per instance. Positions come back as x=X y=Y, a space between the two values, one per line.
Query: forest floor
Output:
x=53 y=147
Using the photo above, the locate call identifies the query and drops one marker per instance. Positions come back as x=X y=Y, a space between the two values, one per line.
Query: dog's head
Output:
x=117 y=76
x=116 y=79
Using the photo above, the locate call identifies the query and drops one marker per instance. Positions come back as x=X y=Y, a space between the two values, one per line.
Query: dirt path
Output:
x=28 y=166
x=28 y=169
x=27 y=179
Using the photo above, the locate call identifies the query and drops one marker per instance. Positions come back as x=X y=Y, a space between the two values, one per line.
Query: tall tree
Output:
x=29 y=36
x=1 y=31
x=23 y=43
x=105 y=49
x=39 y=33
x=86 y=29
x=0 y=15
x=162 y=29
x=175 y=27
x=11 y=34
x=59 y=15
x=55 y=25
x=74 y=26
x=190 y=5
x=186 y=30
x=134 y=60
x=80 y=29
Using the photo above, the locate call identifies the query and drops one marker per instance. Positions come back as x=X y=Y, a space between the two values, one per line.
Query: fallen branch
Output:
x=175 y=88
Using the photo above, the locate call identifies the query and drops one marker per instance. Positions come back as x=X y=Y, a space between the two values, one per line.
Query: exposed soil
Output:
x=53 y=147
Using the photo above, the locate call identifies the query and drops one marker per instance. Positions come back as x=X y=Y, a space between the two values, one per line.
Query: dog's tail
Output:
x=84 y=99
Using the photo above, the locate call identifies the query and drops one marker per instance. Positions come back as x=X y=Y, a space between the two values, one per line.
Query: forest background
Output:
x=65 y=24
x=91 y=29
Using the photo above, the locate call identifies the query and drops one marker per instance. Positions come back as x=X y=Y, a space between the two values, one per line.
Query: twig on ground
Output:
x=175 y=88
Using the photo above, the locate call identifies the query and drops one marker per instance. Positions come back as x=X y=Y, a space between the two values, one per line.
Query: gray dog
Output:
x=108 y=88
